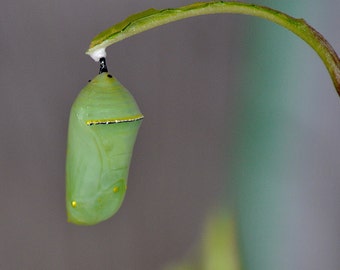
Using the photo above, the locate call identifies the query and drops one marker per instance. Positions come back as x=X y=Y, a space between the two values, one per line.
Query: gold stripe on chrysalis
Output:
x=115 y=120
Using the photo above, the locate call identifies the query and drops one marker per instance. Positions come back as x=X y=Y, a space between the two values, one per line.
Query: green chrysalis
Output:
x=103 y=126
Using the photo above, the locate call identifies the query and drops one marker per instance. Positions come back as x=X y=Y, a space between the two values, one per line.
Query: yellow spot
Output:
x=125 y=187
x=115 y=189
x=74 y=204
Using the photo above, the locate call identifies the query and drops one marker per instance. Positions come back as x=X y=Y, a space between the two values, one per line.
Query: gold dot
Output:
x=125 y=187
x=115 y=189
x=74 y=204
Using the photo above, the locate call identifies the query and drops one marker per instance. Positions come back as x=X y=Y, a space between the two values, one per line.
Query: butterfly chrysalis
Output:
x=103 y=125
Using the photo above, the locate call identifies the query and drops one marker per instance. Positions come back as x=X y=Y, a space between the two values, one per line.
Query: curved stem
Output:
x=152 y=18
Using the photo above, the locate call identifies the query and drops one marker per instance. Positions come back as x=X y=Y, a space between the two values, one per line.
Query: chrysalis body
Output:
x=103 y=126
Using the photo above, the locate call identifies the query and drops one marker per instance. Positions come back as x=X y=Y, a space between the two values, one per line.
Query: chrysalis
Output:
x=103 y=126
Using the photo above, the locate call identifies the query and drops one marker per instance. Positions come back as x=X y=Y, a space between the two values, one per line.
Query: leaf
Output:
x=152 y=18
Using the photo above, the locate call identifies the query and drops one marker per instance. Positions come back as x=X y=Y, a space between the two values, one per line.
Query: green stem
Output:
x=152 y=18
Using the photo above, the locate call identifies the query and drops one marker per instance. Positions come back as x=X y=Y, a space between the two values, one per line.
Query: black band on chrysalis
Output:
x=103 y=66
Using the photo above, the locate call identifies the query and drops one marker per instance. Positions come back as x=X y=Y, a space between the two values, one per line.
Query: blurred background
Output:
x=239 y=143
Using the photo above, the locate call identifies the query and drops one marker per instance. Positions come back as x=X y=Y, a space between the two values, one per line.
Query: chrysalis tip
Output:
x=103 y=66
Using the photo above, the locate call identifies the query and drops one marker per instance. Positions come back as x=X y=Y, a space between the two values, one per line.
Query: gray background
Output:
x=183 y=76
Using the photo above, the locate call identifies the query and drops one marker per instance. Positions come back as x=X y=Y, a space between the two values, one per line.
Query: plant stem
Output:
x=152 y=18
